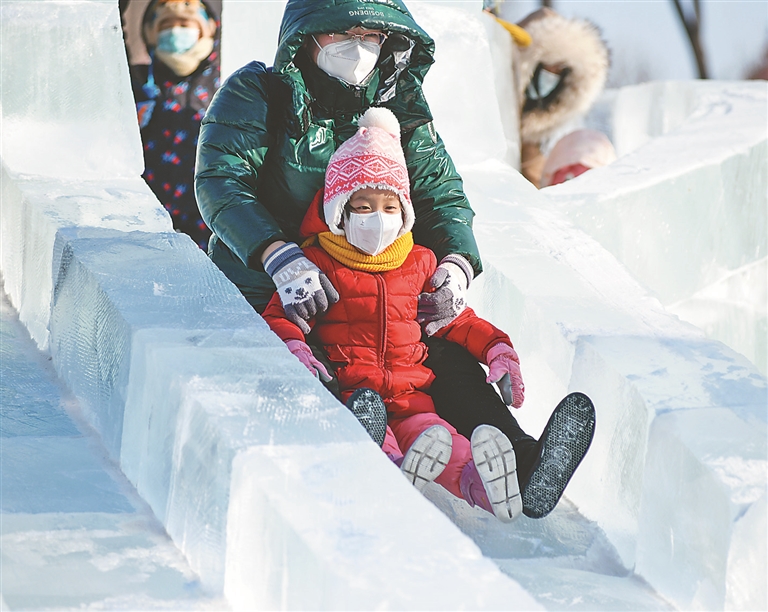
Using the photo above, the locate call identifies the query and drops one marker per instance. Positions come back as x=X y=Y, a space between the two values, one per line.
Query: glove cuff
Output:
x=281 y=257
x=500 y=349
x=462 y=263
x=298 y=345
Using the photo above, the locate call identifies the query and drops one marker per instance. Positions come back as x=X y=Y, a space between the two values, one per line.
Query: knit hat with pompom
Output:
x=373 y=157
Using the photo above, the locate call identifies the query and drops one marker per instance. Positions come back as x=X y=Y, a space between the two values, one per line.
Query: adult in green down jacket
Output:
x=264 y=146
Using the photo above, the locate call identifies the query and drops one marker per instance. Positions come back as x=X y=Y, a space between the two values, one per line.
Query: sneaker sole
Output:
x=428 y=456
x=369 y=410
x=565 y=441
x=495 y=462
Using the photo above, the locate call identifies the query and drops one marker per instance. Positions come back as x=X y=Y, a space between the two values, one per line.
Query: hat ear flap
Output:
x=409 y=217
x=333 y=211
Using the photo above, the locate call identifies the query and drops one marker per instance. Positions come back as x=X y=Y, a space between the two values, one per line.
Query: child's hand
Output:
x=304 y=354
x=450 y=280
x=504 y=370
x=303 y=289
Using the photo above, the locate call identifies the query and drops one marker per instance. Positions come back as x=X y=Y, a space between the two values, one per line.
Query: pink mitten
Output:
x=304 y=354
x=504 y=370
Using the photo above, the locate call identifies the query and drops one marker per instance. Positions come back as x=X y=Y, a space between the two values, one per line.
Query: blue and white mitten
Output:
x=303 y=288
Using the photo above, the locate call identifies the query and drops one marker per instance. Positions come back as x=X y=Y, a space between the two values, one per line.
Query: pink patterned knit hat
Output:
x=373 y=157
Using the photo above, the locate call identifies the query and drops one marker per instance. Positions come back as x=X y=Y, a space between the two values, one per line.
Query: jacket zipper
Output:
x=383 y=328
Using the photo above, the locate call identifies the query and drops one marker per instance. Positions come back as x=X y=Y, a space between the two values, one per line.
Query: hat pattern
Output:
x=373 y=157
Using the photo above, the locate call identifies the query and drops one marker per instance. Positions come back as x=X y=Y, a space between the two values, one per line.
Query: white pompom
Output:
x=381 y=118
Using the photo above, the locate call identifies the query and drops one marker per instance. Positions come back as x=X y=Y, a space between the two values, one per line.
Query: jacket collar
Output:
x=314 y=219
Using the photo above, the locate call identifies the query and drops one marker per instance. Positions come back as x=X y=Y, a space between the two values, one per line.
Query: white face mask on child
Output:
x=372 y=232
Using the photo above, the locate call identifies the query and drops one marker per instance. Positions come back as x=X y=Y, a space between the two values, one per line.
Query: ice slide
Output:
x=270 y=489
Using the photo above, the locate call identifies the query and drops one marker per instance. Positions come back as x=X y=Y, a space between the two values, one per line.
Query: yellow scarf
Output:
x=390 y=258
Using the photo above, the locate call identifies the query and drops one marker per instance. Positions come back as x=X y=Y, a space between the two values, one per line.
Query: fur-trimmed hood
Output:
x=575 y=46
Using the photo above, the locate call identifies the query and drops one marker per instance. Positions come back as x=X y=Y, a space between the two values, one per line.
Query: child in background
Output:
x=359 y=231
x=172 y=94
x=574 y=154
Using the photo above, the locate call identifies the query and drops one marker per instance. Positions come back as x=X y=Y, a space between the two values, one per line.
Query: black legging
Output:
x=465 y=400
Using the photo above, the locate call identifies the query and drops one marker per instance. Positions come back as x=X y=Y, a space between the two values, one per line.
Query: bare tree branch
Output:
x=692 y=27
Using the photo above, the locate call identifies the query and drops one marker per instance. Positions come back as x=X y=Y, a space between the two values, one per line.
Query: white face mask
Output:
x=349 y=60
x=372 y=232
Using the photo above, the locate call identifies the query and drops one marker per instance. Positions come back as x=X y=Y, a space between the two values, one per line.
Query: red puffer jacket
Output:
x=371 y=334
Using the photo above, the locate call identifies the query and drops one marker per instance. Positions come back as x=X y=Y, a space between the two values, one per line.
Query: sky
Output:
x=648 y=42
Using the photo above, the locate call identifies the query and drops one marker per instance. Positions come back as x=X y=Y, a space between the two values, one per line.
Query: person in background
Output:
x=265 y=143
x=172 y=94
x=561 y=73
x=574 y=154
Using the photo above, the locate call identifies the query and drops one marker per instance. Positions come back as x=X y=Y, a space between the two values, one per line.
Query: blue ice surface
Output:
x=47 y=464
x=75 y=534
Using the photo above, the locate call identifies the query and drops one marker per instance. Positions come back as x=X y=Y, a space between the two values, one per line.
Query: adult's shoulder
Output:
x=246 y=88
x=252 y=72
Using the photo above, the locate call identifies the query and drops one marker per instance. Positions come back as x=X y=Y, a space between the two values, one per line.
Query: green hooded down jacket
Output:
x=268 y=135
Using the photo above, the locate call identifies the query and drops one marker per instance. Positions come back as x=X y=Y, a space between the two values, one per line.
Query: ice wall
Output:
x=679 y=459
x=685 y=208
x=73 y=532
x=267 y=484
x=70 y=147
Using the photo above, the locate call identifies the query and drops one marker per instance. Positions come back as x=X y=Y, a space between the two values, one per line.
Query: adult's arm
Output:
x=231 y=148
x=443 y=213
x=475 y=334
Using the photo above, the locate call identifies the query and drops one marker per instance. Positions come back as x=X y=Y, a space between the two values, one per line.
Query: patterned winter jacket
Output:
x=170 y=109
x=267 y=137
x=371 y=334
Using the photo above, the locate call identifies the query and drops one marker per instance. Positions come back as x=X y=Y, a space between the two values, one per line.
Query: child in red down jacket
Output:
x=359 y=230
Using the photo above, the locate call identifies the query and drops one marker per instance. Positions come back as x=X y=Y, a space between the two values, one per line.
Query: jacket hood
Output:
x=576 y=46
x=404 y=60
x=314 y=220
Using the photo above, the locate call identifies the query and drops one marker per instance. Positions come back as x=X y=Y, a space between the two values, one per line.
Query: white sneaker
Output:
x=428 y=456
x=495 y=462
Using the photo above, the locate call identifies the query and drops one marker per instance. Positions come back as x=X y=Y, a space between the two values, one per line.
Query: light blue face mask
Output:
x=177 y=39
